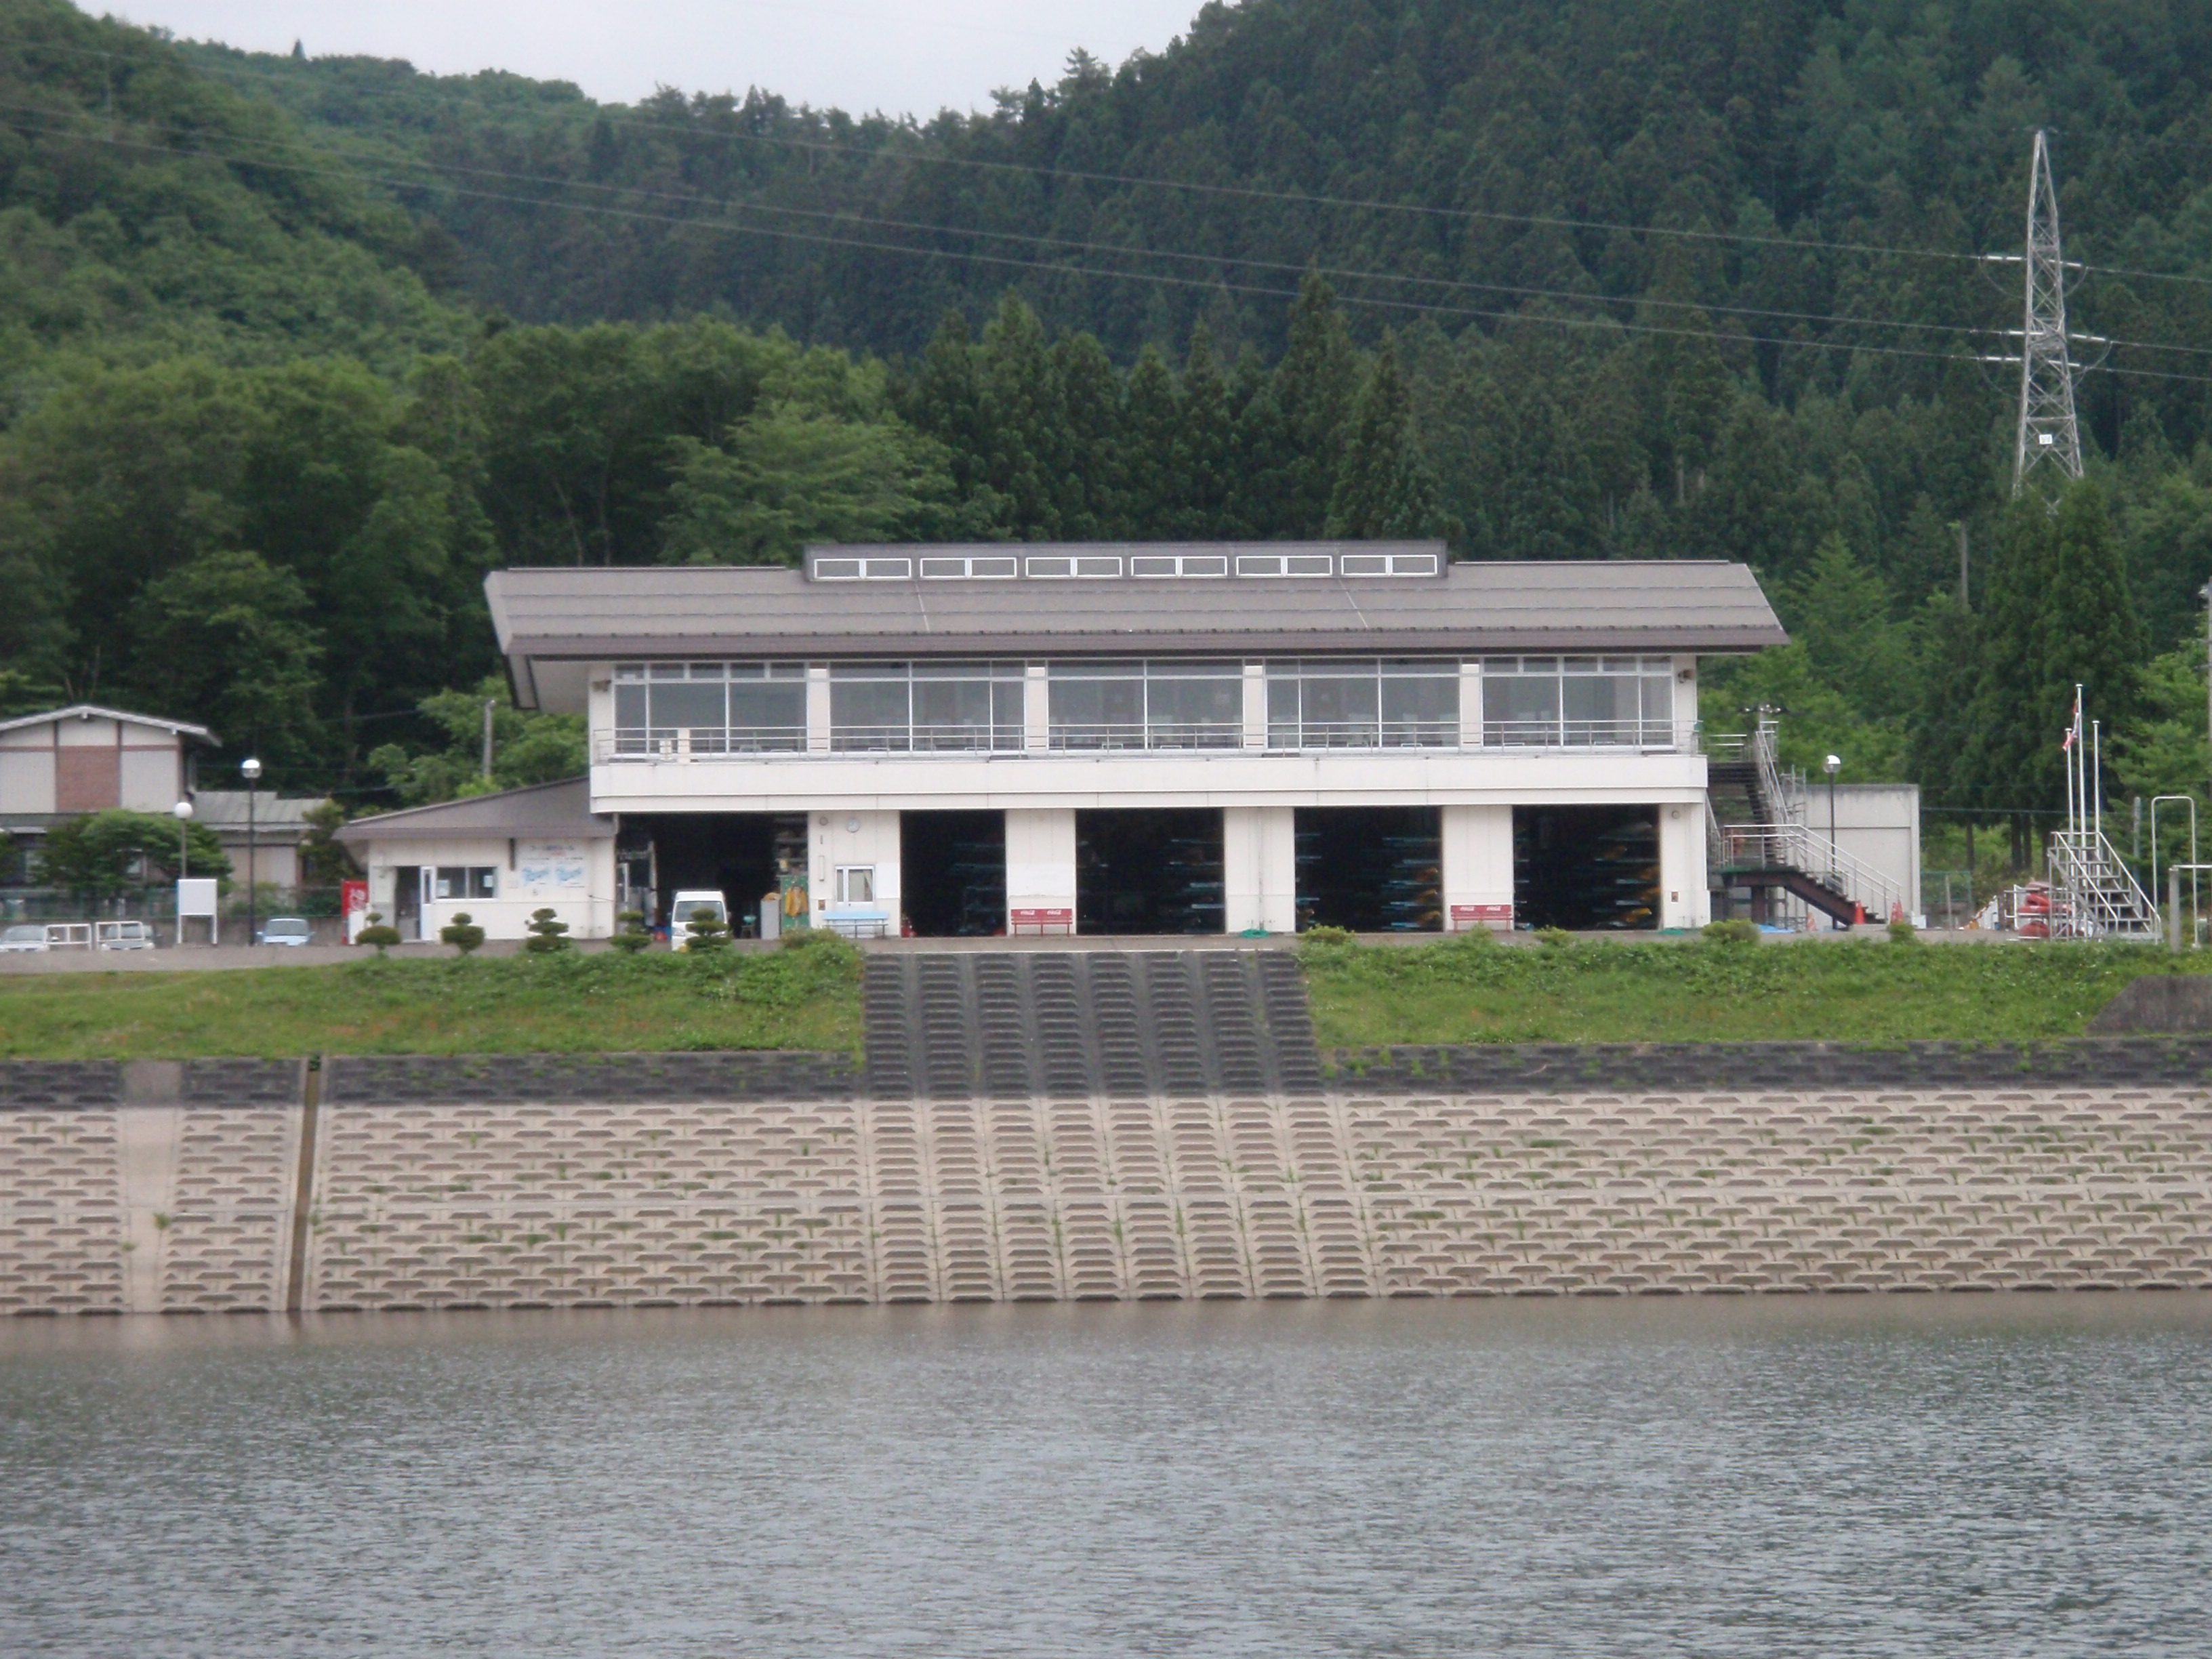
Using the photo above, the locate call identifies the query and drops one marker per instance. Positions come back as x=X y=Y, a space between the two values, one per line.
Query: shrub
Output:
x=1735 y=931
x=631 y=938
x=462 y=933
x=548 y=934
x=826 y=948
x=706 y=932
x=1558 y=937
x=377 y=934
x=1904 y=932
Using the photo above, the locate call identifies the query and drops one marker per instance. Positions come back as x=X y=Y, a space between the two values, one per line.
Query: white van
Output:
x=695 y=901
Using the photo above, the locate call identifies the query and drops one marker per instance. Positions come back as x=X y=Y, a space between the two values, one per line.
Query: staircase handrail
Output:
x=1793 y=846
x=2094 y=892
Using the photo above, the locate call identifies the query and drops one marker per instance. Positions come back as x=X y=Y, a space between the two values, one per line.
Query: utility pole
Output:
x=489 y=706
x=1964 y=603
x=2047 y=436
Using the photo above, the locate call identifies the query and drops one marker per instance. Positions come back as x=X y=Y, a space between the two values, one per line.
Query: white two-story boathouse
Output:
x=1115 y=740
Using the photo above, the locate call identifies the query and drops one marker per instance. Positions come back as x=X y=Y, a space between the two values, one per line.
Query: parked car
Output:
x=124 y=936
x=287 y=930
x=24 y=936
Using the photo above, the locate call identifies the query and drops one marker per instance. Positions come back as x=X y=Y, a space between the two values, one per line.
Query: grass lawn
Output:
x=806 y=998
x=1858 y=990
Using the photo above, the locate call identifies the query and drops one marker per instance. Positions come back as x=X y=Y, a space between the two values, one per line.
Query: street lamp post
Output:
x=1833 y=764
x=252 y=769
x=182 y=810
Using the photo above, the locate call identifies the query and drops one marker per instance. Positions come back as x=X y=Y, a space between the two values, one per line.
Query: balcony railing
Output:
x=1558 y=732
x=683 y=743
x=1160 y=734
x=1364 y=734
x=687 y=745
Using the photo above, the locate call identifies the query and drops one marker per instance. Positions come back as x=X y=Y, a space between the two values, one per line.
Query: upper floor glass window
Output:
x=1363 y=702
x=1578 y=701
x=1148 y=705
x=710 y=707
x=898 y=707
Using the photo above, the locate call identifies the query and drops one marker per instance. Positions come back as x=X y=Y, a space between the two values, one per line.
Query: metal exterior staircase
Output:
x=1756 y=842
x=958 y=1025
x=2092 y=895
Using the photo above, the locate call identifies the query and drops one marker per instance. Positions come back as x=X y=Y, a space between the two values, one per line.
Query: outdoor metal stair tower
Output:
x=1766 y=848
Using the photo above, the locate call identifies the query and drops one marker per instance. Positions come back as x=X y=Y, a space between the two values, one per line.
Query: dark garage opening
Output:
x=952 y=873
x=1148 y=871
x=740 y=855
x=1371 y=869
x=1586 y=867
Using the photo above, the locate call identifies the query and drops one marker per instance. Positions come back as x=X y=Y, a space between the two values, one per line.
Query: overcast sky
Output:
x=901 y=56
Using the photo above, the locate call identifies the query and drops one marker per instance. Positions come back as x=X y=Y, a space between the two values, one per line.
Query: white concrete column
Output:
x=1041 y=859
x=1470 y=705
x=1037 y=707
x=817 y=708
x=1260 y=872
x=1683 y=899
x=1478 y=847
x=1256 y=708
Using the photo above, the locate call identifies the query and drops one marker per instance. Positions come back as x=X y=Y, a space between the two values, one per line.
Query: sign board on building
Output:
x=550 y=869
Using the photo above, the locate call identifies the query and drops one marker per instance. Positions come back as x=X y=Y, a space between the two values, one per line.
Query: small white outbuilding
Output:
x=497 y=857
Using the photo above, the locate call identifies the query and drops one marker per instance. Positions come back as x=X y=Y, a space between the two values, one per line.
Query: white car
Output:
x=124 y=936
x=287 y=930
x=24 y=936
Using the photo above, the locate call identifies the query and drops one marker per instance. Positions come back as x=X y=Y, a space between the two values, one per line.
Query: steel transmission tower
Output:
x=2048 y=437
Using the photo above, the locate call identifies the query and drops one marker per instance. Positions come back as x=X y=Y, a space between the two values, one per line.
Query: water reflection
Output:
x=1962 y=1475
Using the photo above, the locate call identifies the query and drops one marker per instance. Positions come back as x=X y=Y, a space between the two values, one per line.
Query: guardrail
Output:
x=1794 y=846
x=687 y=745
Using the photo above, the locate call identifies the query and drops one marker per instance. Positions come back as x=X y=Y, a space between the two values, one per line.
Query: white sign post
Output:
x=196 y=897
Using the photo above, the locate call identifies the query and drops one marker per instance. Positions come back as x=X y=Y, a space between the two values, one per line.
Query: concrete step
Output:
x=1070 y=1024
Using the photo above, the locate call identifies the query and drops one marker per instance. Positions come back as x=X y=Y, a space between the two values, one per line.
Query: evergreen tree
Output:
x=1383 y=485
x=1023 y=429
x=1089 y=488
x=1206 y=440
x=1153 y=432
x=1314 y=387
x=2091 y=634
x=2009 y=762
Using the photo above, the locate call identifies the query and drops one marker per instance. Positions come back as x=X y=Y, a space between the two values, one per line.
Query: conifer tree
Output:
x=1090 y=488
x=1314 y=387
x=1151 y=428
x=1383 y=484
x=2009 y=759
x=1023 y=428
x=1205 y=441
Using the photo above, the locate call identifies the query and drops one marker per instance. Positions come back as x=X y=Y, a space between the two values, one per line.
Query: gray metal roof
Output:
x=573 y=615
x=95 y=711
x=560 y=810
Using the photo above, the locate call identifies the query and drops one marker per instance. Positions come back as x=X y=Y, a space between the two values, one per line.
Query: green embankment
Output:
x=1858 y=990
x=571 y=1003
x=1863 y=990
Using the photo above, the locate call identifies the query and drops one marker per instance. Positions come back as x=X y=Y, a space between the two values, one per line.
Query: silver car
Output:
x=287 y=930
x=24 y=936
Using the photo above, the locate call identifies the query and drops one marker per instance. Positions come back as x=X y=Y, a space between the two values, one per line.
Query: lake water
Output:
x=1912 y=1476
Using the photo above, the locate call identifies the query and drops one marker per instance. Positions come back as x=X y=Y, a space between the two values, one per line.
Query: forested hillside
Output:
x=295 y=348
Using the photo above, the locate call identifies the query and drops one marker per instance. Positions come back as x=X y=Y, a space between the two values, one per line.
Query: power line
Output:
x=1250 y=193
x=1073 y=246
x=348 y=170
x=1068 y=268
x=267 y=79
